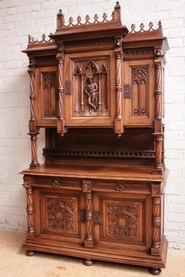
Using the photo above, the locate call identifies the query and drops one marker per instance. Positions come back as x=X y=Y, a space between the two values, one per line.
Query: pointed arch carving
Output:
x=91 y=87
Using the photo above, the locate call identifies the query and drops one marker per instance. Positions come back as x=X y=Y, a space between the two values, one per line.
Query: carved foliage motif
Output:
x=122 y=220
x=91 y=87
x=60 y=214
x=139 y=96
x=49 y=94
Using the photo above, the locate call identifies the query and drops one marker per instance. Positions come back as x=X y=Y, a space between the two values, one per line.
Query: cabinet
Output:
x=97 y=90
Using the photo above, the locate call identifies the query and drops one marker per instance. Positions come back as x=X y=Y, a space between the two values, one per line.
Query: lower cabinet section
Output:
x=117 y=221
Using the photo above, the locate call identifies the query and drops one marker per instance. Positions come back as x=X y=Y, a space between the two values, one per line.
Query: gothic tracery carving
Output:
x=122 y=220
x=91 y=86
x=49 y=91
x=60 y=214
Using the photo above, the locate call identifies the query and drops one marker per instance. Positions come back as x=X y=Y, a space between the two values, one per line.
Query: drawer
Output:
x=122 y=186
x=56 y=182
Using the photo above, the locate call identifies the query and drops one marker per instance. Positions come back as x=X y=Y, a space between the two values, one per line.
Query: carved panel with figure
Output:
x=91 y=89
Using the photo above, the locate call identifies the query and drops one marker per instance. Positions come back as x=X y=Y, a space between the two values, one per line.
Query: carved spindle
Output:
x=33 y=130
x=118 y=85
x=61 y=120
x=89 y=240
x=158 y=90
x=158 y=129
x=156 y=238
x=118 y=120
x=30 y=210
x=158 y=137
x=32 y=93
x=34 y=159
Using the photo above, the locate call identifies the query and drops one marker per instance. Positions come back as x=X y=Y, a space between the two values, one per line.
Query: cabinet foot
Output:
x=87 y=262
x=155 y=271
x=30 y=252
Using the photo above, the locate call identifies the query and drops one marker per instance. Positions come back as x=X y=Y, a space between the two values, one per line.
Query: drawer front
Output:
x=122 y=186
x=55 y=182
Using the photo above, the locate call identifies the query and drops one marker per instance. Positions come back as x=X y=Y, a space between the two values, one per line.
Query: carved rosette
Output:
x=30 y=208
x=156 y=219
x=89 y=240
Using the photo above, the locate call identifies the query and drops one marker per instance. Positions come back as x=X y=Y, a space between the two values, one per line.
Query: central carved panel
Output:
x=91 y=83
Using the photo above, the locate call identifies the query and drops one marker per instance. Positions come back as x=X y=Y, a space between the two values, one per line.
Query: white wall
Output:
x=18 y=18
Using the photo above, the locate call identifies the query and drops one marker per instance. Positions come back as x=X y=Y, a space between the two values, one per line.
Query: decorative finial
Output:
x=117 y=5
x=151 y=26
x=60 y=19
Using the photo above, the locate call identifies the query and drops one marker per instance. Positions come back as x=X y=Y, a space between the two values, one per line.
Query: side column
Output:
x=158 y=127
x=33 y=129
x=60 y=121
x=89 y=213
x=118 y=55
x=30 y=212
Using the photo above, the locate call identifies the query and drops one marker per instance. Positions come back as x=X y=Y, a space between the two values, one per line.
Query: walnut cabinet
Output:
x=97 y=90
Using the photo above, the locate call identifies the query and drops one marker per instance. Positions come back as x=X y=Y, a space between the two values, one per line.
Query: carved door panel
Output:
x=124 y=221
x=58 y=215
x=139 y=92
x=46 y=95
x=90 y=89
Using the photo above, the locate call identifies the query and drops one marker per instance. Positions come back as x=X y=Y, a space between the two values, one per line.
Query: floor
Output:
x=14 y=263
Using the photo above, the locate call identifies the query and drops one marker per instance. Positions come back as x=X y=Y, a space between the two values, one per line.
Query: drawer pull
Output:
x=56 y=184
x=120 y=187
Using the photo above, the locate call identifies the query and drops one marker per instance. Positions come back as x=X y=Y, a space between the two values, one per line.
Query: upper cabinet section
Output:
x=97 y=74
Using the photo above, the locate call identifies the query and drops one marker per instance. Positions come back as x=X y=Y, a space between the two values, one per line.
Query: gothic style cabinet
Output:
x=97 y=90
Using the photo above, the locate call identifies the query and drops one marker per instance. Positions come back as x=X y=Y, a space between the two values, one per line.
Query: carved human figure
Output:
x=91 y=90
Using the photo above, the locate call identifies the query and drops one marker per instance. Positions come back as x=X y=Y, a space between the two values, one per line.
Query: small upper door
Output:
x=139 y=93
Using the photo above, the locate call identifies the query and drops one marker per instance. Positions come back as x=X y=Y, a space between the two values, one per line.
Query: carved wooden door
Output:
x=139 y=92
x=46 y=95
x=124 y=220
x=90 y=88
x=57 y=214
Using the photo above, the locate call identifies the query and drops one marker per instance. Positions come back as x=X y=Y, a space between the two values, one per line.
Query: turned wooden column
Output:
x=89 y=240
x=156 y=219
x=158 y=129
x=33 y=129
x=60 y=120
x=118 y=120
x=30 y=210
